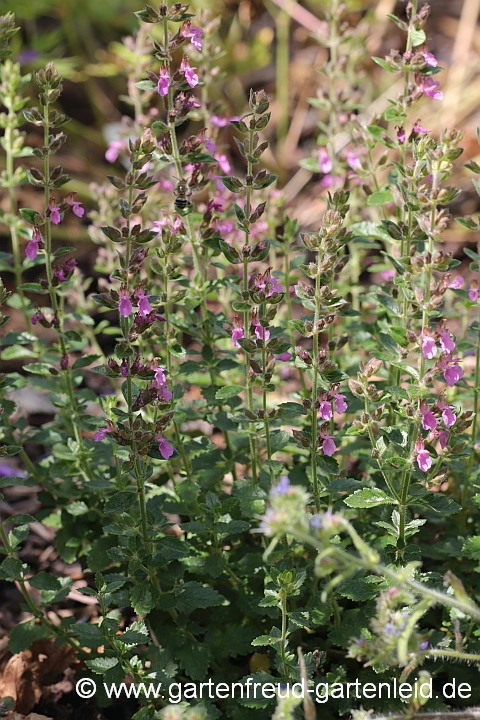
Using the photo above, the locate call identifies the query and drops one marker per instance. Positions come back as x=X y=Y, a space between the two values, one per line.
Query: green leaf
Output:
x=141 y=598
x=101 y=665
x=119 y=502
x=228 y=391
x=384 y=64
x=279 y=440
x=381 y=197
x=39 y=369
x=76 y=507
x=45 y=581
x=418 y=36
x=84 y=361
x=24 y=635
x=194 y=595
x=369 y=497
x=90 y=635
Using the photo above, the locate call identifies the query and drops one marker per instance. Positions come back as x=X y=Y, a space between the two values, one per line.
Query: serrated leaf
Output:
x=101 y=665
x=228 y=391
x=369 y=497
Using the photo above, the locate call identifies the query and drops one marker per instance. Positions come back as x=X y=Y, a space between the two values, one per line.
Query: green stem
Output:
x=283 y=640
x=397 y=577
x=314 y=387
x=457 y=654
x=9 y=170
x=246 y=314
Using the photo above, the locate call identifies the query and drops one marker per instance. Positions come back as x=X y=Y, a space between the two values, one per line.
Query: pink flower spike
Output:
x=457 y=283
x=163 y=82
x=340 y=404
x=328 y=446
x=324 y=161
x=447 y=342
x=424 y=460
x=164 y=447
x=429 y=347
x=325 y=410
x=429 y=421
x=449 y=417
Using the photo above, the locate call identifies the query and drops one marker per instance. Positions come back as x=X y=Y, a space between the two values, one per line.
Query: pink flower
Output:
x=275 y=286
x=473 y=293
x=324 y=161
x=125 y=305
x=166 y=450
x=219 y=121
x=325 y=410
x=353 y=160
x=164 y=394
x=401 y=135
x=417 y=128
x=453 y=373
x=429 y=421
x=447 y=342
x=209 y=145
x=160 y=378
x=429 y=58
x=237 y=333
x=196 y=36
x=429 y=347
x=100 y=434
x=33 y=245
x=261 y=332
x=284 y=357
x=328 y=446
x=144 y=307
x=449 y=417
x=457 y=282
x=429 y=87
x=163 y=82
x=340 y=404
x=189 y=72
x=55 y=216
x=443 y=438
x=388 y=274
x=222 y=160
x=424 y=460
x=114 y=149
x=76 y=205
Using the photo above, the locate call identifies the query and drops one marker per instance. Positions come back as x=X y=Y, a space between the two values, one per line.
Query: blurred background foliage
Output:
x=274 y=44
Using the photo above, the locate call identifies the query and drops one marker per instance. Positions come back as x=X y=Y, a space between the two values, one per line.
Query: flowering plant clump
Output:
x=258 y=462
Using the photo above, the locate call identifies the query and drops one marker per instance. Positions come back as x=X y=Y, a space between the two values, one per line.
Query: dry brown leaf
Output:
x=26 y=674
